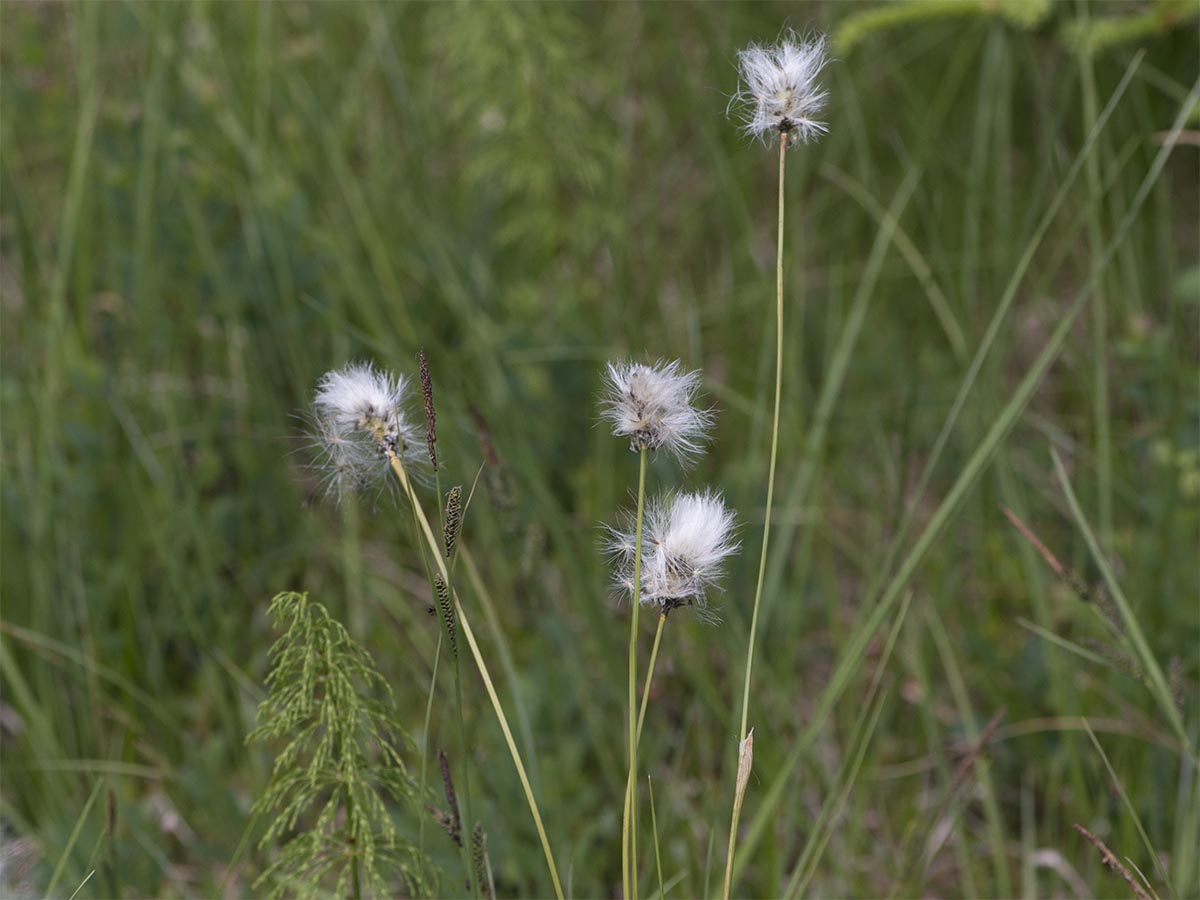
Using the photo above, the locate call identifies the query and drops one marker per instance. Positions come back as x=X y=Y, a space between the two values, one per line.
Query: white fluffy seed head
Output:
x=357 y=418
x=654 y=406
x=686 y=539
x=779 y=93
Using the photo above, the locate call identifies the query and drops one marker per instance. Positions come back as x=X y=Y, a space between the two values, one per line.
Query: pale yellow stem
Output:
x=436 y=551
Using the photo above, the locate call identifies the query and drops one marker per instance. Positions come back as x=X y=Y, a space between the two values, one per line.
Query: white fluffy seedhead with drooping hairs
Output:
x=686 y=539
x=779 y=93
x=655 y=407
x=358 y=417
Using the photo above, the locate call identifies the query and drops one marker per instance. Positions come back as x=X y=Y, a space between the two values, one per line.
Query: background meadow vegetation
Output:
x=204 y=206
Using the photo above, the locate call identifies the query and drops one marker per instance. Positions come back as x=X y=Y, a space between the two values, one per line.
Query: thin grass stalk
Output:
x=662 y=623
x=1101 y=416
x=466 y=769
x=762 y=559
x=469 y=633
x=1137 y=639
x=483 y=595
x=1132 y=811
x=641 y=720
x=654 y=828
x=437 y=654
x=60 y=866
x=464 y=851
x=629 y=816
x=437 y=659
x=458 y=700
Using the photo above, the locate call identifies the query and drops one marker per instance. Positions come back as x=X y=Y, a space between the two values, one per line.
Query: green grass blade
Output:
x=1129 y=808
x=1133 y=631
x=75 y=832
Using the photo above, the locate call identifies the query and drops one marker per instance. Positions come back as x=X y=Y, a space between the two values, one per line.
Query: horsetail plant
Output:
x=654 y=407
x=778 y=95
x=341 y=763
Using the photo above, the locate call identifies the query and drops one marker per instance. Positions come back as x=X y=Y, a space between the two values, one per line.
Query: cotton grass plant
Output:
x=363 y=437
x=654 y=407
x=779 y=99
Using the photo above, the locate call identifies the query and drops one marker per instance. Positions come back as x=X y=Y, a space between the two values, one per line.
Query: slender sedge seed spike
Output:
x=453 y=519
x=479 y=861
x=654 y=406
x=453 y=823
x=778 y=89
x=686 y=540
x=447 y=609
x=357 y=418
x=430 y=412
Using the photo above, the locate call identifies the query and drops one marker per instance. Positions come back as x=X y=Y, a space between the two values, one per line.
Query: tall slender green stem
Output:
x=437 y=659
x=762 y=559
x=1100 y=347
x=469 y=633
x=465 y=851
x=662 y=621
x=466 y=774
x=641 y=720
x=476 y=888
x=629 y=817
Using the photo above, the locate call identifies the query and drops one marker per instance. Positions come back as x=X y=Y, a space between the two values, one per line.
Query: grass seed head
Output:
x=452 y=822
x=430 y=412
x=479 y=861
x=453 y=519
x=446 y=607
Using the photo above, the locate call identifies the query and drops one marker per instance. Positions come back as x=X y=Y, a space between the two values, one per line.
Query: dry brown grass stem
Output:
x=1110 y=860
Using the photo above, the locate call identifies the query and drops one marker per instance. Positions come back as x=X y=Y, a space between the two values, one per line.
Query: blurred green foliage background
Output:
x=207 y=205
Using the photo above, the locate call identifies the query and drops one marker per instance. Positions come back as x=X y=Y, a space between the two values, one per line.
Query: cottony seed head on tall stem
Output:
x=358 y=418
x=686 y=539
x=779 y=93
x=654 y=406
